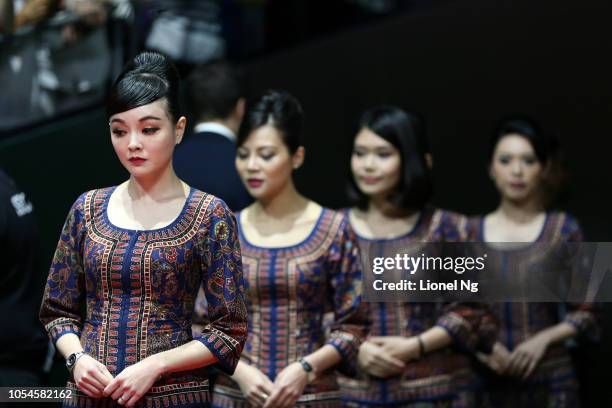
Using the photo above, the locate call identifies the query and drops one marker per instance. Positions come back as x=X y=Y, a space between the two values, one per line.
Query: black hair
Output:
x=279 y=109
x=213 y=90
x=148 y=77
x=406 y=132
x=545 y=146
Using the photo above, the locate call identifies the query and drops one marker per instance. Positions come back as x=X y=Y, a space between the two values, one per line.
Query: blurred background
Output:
x=462 y=64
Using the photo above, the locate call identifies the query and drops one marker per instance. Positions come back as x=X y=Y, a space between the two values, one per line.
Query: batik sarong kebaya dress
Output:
x=130 y=294
x=288 y=289
x=553 y=382
x=442 y=378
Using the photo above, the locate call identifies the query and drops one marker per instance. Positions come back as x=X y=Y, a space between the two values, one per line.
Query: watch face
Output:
x=71 y=360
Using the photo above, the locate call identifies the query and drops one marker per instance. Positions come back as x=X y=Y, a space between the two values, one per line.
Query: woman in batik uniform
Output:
x=299 y=259
x=532 y=364
x=130 y=261
x=418 y=353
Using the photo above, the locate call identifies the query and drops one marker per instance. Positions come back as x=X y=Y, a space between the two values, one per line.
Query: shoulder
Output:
x=563 y=224
x=453 y=224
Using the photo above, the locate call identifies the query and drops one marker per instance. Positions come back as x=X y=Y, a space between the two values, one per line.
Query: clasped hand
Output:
x=387 y=356
x=519 y=363
x=260 y=391
x=94 y=379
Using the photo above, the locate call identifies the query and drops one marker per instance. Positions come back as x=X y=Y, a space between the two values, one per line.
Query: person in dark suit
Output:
x=205 y=159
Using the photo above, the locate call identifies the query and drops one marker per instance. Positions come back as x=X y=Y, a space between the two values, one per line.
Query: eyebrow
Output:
x=140 y=120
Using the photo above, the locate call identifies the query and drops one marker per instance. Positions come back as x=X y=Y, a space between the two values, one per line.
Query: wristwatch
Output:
x=308 y=368
x=72 y=359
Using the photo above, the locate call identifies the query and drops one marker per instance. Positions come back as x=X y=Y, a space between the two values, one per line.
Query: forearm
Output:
x=324 y=358
x=434 y=339
x=69 y=343
x=558 y=333
x=189 y=356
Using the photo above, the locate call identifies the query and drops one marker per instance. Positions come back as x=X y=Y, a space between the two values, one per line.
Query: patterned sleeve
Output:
x=226 y=331
x=471 y=325
x=580 y=315
x=63 y=299
x=349 y=326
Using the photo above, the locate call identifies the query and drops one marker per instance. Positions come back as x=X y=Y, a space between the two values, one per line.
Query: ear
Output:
x=429 y=160
x=491 y=174
x=240 y=109
x=179 y=129
x=298 y=157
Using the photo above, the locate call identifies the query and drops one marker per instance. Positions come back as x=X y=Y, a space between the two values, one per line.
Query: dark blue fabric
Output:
x=206 y=161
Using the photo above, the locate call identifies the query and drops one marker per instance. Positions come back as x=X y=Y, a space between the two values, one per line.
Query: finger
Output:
x=266 y=387
x=118 y=393
x=272 y=400
x=89 y=390
x=111 y=387
x=133 y=400
x=532 y=365
x=93 y=382
x=256 y=398
x=105 y=373
x=390 y=361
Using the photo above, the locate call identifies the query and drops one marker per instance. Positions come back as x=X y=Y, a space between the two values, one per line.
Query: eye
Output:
x=150 y=130
x=384 y=154
x=504 y=160
x=530 y=160
x=118 y=132
x=267 y=156
x=242 y=154
x=358 y=152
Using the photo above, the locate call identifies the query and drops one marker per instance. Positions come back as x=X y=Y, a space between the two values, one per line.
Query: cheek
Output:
x=354 y=164
x=278 y=171
x=391 y=168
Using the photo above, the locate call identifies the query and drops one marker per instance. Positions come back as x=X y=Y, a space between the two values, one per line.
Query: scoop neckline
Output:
x=175 y=221
x=405 y=235
x=278 y=248
x=527 y=245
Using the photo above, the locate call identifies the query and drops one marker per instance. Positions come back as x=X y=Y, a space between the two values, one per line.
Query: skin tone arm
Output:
x=260 y=391
x=526 y=356
x=386 y=356
x=290 y=382
x=94 y=379
x=133 y=382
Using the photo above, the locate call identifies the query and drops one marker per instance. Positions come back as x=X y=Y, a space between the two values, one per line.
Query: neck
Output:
x=156 y=187
x=380 y=207
x=285 y=203
x=520 y=212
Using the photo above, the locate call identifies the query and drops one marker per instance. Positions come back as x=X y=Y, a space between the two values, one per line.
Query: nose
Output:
x=517 y=168
x=252 y=164
x=369 y=162
x=135 y=143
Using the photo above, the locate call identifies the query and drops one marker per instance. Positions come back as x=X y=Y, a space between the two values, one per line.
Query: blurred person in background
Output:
x=530 y=363
x=23 y=344
x=417 y=353
x=131 y=258
x=205 y=159
x=299 y=259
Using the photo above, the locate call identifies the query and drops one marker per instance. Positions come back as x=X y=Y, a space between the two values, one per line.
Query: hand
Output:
x=288 y=387
x=526 y=356
x=91 y=376
x=376 y=361
x=134 y=382
x=402 y=348
x=497 y=360
x=254 y=384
